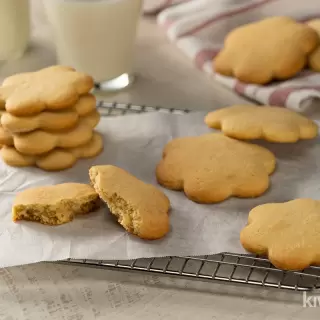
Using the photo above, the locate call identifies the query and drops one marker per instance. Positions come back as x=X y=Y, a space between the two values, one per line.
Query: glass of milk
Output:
x=96 y=37
x=14 y=29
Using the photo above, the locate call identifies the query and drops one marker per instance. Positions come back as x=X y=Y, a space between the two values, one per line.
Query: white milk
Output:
x=96 y=37
x=14 y=28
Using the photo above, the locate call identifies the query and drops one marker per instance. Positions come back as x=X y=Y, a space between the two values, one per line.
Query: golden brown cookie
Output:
x=92 y=119
x=54 y=205
x=273 y=124
x=47 y=120
x=5 y=137
x=212 y=167
x=85 y=105
x=314 y=58
x=140 y=208
x=55 y=160
x=39 y=141
x=273 y=48
x=288 y=233
x=50 y=120
x=52 y=88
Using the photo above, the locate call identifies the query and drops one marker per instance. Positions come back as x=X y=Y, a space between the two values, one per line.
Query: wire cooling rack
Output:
x=223 y=267
x=120 y=109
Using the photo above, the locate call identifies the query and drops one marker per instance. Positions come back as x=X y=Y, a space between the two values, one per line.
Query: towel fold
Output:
x=198 y=28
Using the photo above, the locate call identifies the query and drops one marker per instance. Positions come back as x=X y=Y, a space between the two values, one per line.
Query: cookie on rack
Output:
x=50 y=120
x=287 y=233
x=55 y=205
x=255 y=53
x=211 y=168
x=274 y=124
x=314 y=58
x=39 y=141
x=141 y=208
x=52 y=88
x=56 y=160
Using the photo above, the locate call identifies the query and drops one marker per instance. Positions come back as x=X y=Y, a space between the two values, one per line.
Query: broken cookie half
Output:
x=54 y=205
x=141 y=208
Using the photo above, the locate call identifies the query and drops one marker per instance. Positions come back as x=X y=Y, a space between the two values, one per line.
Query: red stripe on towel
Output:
x=240 y=87
x=225 y=15
x=280 y=96
x=204 y=56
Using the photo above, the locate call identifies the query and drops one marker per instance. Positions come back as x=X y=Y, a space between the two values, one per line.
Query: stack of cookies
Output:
x=48 y=118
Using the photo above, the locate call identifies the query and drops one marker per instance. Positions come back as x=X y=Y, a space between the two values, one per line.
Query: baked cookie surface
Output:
x=141 y=208
x=39 y=141
x=54 y=205
x=314 y=58
x=287 y=233
x=50 y=120
x=55 y=160
x=212 y=167
x=52 y=88
x=274 y=124
x=280 y=55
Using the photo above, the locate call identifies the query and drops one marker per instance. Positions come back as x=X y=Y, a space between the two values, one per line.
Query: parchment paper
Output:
x=135 y=143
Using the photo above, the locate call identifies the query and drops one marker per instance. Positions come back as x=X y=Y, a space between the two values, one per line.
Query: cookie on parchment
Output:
x=54 y=205
x=50 y=120
x=52 y=88
x=39 y=141
x=141 y=208
x=274 y=124
x=273 y=48
x=56 y=160
x=212 y=167
x=314 y=58
x=287 y=233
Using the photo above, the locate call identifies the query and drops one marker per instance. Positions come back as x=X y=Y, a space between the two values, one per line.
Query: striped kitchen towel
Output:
x=198 y=28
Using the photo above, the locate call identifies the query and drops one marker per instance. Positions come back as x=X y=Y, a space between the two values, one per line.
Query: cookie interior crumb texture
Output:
x=54 y=205
x=127 y=216
x=140 y=208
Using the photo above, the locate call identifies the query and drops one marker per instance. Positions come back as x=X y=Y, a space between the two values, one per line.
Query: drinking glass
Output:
x=14 y=29
x=96 y=37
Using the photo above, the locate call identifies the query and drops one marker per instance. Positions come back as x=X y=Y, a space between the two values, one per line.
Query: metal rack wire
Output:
x=223 y=267
x=120 y=109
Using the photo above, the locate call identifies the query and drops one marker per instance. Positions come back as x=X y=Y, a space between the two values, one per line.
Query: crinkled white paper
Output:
x=135 y=143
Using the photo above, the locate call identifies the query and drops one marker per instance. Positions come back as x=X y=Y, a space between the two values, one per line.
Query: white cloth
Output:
x=198 y=28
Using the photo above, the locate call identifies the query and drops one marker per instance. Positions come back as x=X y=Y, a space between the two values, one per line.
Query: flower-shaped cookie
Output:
x=274 y=48
x=274 y=124
x=288 y=233
x=212 y=167
x=141 y=208
x=314 y=58
x=52 y=88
